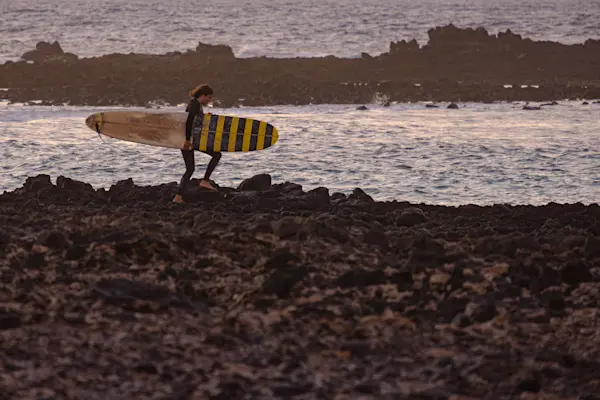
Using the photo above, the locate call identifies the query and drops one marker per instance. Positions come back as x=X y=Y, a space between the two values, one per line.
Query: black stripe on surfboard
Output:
x=241 y=125
x=269 y=136
x=254 y=135
x=239 y=139
x=225 y=141
x=212 y=125
x=210 y=141
x=227 y=121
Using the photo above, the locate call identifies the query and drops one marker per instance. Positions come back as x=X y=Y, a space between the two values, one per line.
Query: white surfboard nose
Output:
x=89 y=121
x=94 y=122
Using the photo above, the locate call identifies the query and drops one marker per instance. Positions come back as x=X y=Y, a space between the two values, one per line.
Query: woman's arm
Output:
x=193 y=111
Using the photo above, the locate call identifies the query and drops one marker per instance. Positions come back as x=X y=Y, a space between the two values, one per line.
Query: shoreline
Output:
x=257 y=184
x=99 y=194
x=65 y=186
x=456 y=65
x=271 y=291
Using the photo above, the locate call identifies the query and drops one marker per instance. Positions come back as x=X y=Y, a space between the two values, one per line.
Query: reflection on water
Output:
x=479 y=154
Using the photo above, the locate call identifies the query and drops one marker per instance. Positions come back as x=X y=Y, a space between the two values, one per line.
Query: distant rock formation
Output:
x=456 y=65
x=45 y=52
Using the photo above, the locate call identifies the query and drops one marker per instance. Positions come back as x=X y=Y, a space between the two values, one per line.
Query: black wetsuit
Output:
x=194 y=110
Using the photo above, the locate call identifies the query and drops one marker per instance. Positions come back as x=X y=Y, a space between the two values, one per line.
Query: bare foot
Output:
x=178 y=199
x=206 y=184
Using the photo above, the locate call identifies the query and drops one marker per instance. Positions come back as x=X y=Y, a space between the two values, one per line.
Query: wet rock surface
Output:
x=456 y=65
x=277 y=292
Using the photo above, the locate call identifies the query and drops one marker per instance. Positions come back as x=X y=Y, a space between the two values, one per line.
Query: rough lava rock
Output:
x=260 y=182
x=278 y=292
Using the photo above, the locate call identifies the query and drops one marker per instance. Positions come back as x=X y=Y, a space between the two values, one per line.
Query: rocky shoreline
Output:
x=267 y=291
x=456 y=65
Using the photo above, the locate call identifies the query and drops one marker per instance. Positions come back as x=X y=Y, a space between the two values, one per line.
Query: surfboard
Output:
x=218 y=133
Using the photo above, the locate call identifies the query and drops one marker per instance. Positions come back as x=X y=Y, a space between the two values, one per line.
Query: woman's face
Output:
x=205 y=99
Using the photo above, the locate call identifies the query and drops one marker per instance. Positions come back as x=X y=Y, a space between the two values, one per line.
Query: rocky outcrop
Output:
x=48 y=52
x=456 y=65
x=403 y=47
x=271 y=291
x=217 y=51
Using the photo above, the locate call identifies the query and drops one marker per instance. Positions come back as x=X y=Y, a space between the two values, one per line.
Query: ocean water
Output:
x=277 y=28
x=478 y=154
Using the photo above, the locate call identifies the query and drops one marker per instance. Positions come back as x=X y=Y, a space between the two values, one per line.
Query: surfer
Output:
x=201 y=96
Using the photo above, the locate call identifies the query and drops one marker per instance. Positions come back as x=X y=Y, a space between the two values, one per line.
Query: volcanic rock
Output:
x=275 y=292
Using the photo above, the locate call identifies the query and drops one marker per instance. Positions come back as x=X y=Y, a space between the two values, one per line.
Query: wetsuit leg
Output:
x=190 y=166
x=216 y=156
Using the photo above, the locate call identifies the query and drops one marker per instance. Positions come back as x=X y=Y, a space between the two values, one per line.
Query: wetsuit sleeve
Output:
x=193 y=110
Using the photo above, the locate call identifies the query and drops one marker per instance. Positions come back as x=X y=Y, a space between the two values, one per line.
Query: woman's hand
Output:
x=187 y=145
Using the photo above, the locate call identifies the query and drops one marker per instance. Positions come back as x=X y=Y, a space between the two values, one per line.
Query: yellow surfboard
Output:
x=217 y=133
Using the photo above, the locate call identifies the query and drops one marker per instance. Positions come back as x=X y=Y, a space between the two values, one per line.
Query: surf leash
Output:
x=98 y=131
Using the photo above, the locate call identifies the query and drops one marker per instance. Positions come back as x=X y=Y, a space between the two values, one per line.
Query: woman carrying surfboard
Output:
x=201 y=96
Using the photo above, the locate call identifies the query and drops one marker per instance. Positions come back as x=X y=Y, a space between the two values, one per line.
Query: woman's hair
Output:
x=202 y=90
